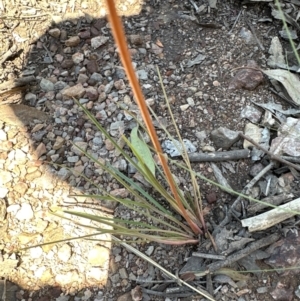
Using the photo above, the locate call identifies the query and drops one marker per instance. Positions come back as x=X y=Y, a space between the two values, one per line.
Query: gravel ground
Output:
x=66 y=50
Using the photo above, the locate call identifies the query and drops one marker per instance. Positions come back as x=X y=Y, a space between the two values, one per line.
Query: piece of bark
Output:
x=244 y=252
x=220 y=156
x=276 y=200
x=272 y=217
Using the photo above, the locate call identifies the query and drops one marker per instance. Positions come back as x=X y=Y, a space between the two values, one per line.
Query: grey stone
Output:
x=59 y=85
x=201 y=135
x=251 y=113
x=142 y=74
x=123 y=273
x=97 y=141
x=121 y=165
x=224 y=138
x=63 y=173
x=82 y=145
x=73 y=159
x=8 y=289
x=46 y=85
x=31 y=98
x=262 y=290
x=108 y=87
x=174 y=148
x=116 y=127
x=98 y=41
x=115 y=278
x=95 y=78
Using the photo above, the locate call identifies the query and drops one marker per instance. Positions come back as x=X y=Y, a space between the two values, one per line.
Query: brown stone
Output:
x=40 y=150
x=21 y=187
x=67 y=64
x=73 y=41
x=75 y=91
x=136 y=39
x=91 y=93
x=92 y=66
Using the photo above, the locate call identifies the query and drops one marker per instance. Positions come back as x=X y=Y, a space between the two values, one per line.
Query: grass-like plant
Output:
x=159 y=222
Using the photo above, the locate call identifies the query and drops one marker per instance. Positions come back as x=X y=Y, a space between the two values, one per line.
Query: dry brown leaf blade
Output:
x=289 y=80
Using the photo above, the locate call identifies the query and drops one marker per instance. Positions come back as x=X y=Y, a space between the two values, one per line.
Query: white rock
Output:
x=36 y=252
x=150 y=101
x=20 y=155
x=98 y=41
x=64 y=253
x=13 y=208
x=64 y=279
x=150 y=251
x=190 y=101
x=96 y=274
x=77 y=57
x=5 y=177
x=184 y=107
x=3 y=135
x=25 y=212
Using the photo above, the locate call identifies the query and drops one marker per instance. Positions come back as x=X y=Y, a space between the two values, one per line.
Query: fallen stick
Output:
x=272 y=156
x=220 y=156
x=275 y=200
x=272 y=217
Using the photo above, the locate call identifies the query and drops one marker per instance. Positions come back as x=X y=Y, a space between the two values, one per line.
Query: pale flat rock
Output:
x=25 y=212
x=3 y=192
x=21 y=115
x=74 y=91
x=64 y=252
x=5 y=177
x=36 y=252
x=98 y=256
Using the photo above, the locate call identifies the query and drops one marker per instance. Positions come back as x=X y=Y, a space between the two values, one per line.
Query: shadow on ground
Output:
x=40 y=165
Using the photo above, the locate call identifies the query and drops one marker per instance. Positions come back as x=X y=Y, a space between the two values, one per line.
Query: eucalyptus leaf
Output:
x=289 y=80
x=142 y=148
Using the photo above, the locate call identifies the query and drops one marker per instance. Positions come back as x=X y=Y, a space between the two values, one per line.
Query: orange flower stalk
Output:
x=119 y=36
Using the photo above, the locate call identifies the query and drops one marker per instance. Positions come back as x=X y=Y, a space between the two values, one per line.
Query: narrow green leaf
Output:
x=142 y=148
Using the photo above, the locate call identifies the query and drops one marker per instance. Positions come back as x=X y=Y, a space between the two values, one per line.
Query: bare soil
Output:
x=167 y=34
